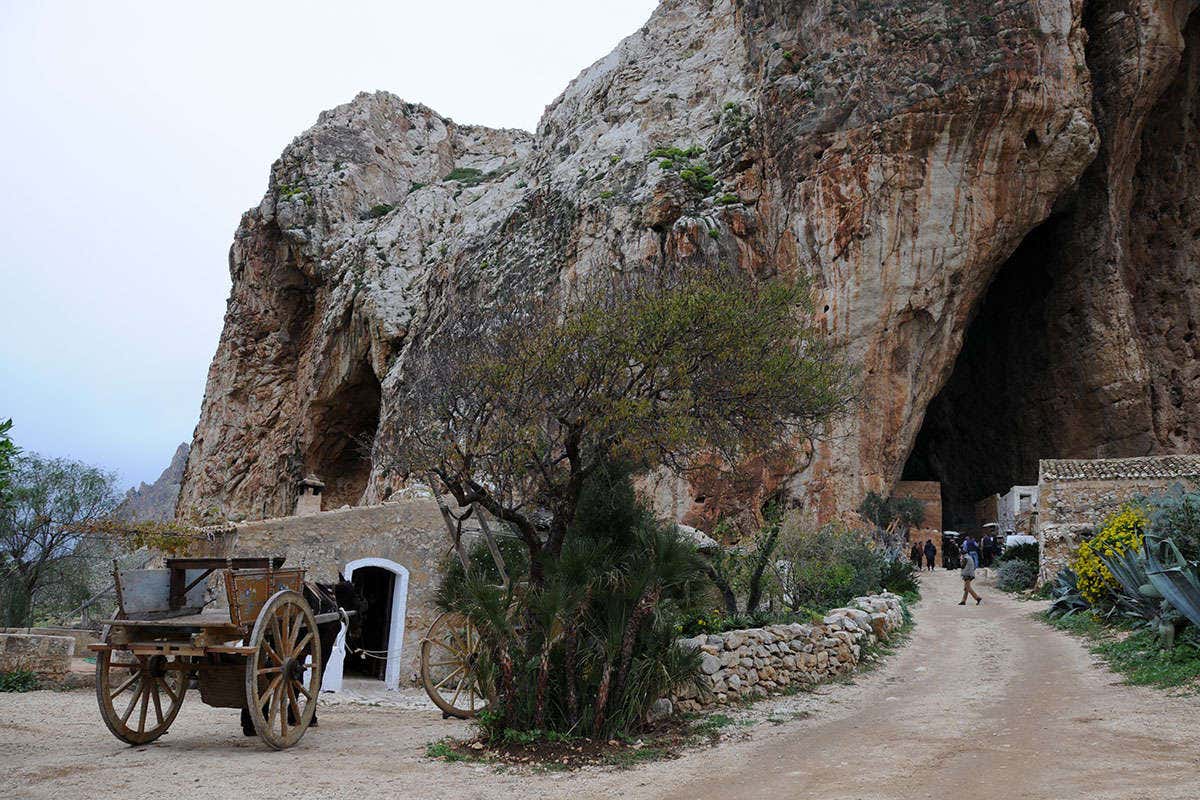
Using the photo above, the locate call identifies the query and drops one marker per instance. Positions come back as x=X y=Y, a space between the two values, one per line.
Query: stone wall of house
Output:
x=761 y=661
x=1069 y=508
x=409 y=532
x=47 y=656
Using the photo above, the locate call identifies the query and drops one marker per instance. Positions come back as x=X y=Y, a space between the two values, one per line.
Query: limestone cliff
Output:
x=908 y=155
x=156 y=501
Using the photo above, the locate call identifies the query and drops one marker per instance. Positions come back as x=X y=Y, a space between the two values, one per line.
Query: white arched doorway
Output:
x=395 y=645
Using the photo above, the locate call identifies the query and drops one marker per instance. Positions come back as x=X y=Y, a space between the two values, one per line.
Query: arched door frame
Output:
x=399 y=608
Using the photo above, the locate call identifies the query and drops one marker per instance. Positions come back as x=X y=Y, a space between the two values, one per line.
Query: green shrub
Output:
x=1175 y=515
x=728 y=199
x=826 y=567
x=1021 y=552
x=377 y=211
x=691 y=168
x=21 y=680
x=468 y=176
x=899 y=576
x=1016 y=575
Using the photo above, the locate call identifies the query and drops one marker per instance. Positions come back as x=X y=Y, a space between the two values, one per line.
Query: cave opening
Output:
x=342 y=428
x=985 y=431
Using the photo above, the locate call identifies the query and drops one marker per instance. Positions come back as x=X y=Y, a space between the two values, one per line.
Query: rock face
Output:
x=907 y=155
x=156 y=501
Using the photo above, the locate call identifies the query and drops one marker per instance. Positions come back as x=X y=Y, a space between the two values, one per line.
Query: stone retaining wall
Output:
x=759 y=661
x=48 y=656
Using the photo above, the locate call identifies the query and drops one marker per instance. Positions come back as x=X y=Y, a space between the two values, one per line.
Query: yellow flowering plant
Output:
x=1120 y=532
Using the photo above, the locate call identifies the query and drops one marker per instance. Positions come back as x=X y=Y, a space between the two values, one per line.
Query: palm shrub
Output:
x=589 y=649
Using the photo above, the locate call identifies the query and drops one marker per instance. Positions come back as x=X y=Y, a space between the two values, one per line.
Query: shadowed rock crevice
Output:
x=342 y=429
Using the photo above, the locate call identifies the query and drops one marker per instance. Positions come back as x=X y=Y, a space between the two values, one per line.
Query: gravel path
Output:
x=983 y=703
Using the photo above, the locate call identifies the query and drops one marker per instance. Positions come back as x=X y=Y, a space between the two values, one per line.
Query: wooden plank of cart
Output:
x=262 y=653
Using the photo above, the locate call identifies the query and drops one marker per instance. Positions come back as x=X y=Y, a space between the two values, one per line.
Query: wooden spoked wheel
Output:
x=449 y=667
x=283 y=674
x=140 y=697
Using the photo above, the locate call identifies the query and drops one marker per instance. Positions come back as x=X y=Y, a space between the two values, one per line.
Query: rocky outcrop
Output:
x=897 y=152
x=156 y=501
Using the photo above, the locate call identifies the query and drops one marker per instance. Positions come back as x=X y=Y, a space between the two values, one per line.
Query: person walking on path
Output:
x=914 y=555
x=968 y=575
x=930 y=554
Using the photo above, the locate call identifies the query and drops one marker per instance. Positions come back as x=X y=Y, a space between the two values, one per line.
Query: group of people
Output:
x=929 y=551
x=969 y=557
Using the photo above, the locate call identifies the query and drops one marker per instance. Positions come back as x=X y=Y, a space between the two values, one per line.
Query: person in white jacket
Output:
x=968 y=575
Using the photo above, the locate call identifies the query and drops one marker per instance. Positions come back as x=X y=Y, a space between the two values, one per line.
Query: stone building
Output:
x=1075 y=495
x=1017 y=510
x=393 y=553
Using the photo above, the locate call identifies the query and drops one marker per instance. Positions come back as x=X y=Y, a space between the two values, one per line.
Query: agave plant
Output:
x=1065 y=591
x=1138 y=597
x=1173 y=576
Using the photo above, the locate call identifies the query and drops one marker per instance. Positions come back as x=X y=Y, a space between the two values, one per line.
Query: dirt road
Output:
x=983 y=703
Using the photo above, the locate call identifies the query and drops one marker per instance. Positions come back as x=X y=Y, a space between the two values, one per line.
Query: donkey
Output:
x=325 y=598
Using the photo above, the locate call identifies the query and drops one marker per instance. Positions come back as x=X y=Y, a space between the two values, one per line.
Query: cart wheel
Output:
x=140 y=698
x=449 y=656
x=281 y=699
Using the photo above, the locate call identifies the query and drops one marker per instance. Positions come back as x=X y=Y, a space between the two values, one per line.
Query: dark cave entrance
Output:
x=342 y=428
x=986 y=429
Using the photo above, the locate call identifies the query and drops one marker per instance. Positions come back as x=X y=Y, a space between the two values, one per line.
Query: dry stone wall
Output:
x=760 y=661
x=49 y=657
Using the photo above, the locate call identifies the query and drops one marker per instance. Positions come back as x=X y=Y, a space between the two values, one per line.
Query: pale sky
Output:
x=133 y=136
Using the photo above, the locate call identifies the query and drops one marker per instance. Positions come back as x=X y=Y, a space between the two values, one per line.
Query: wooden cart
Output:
x=262 y=653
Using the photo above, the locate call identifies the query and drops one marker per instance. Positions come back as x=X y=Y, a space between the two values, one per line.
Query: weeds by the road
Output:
x=21 y=680
x=1135 y=654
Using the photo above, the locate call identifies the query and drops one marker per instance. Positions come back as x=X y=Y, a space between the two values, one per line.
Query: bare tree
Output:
x=513 y=407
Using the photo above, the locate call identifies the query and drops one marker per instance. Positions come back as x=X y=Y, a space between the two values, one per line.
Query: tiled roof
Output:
x=1101 y=469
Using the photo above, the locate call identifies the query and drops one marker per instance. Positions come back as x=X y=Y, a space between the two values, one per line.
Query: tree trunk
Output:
x=727 y=593
x=570 y=653
x=640 y=614
x=601 y=705
x=543 y=678
x=760 y=566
